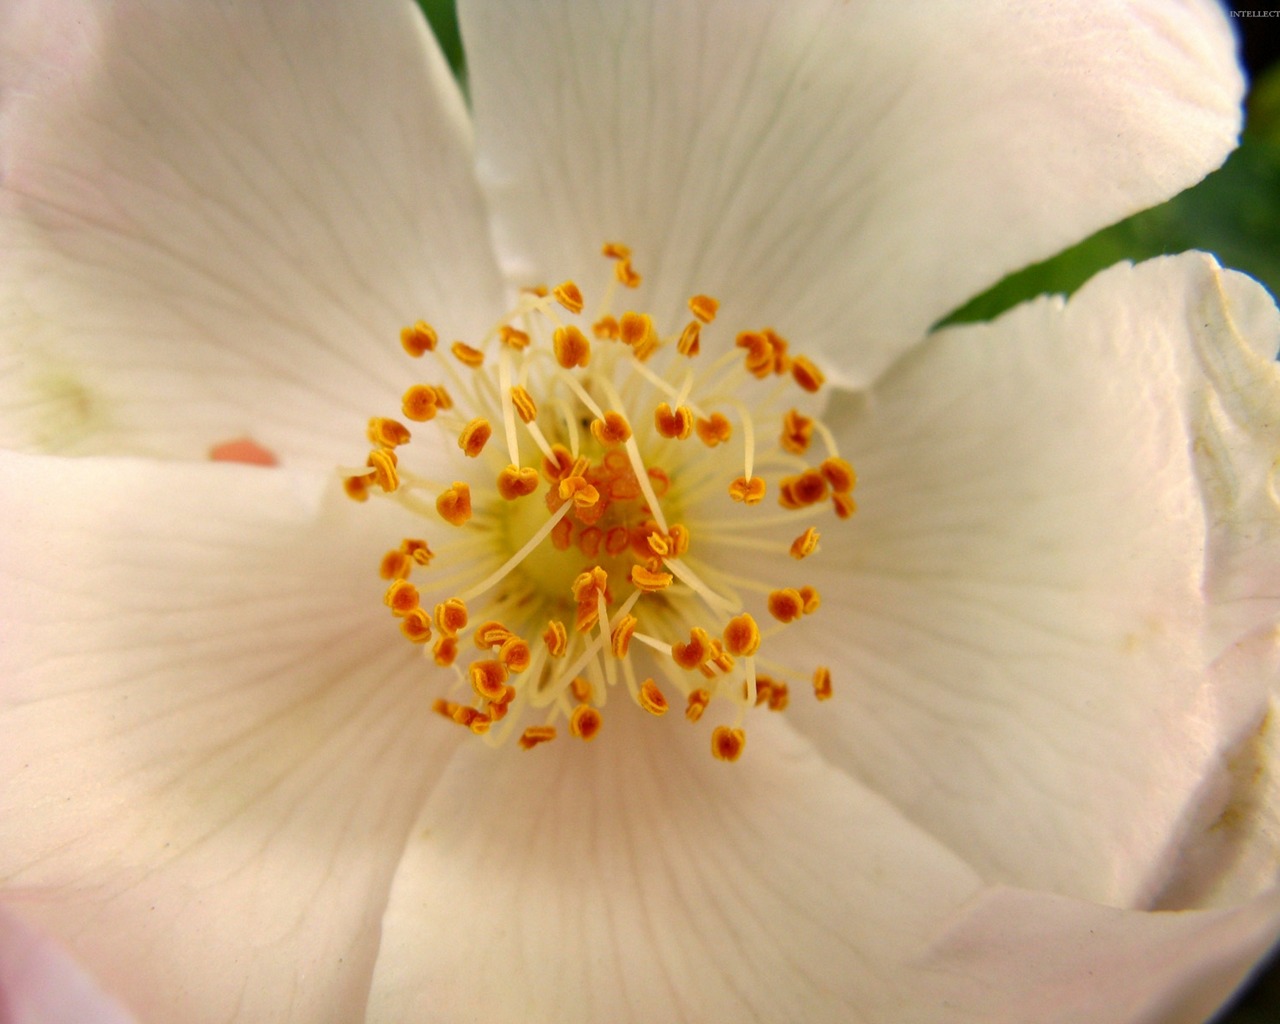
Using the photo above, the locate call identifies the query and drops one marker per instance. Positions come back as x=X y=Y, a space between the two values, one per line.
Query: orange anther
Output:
x=515 y=654
x=418 y=339
x=524 y=404
x=445 y=651
x=454 y=505
x=536 y=734
x=806 y=544
x=742 y=635
x=713 y=430
x=779 y=696
x=612 y=429
x=648 y=580
x=569 y=295
x=475 y=435
x=690 y=342
x=679 y=536
x=387 y=433
x=626 y=273
x=674 y=423
x=383 y=463
x=585 y=722
x=517 y=482
x=616 y=540
x=443 y=398
x=401 y=597
x=571 y=347
x=584 y=495
x=635 y=328
x=822 y=683
x=513 y=337
x=726 y=743
x=658 y=544
x=811 y=598
x=558 y=465
x=839 y=474
x=562 y=535
x=589 y=541
x=394 y=566
x=844 y=505
x=797 y=432
x=620 y=638
x=759 y=357
x=590 y=584
x=417 y=550
x=488 y=679
x=697 y=703
x=491 y=634
x=417 y=626
x=704 y=307
x=808 y=376
x=651 y=698
x=615 y=250
x=605 y=329
x=786 y=605
x=420 y=403
x=451 y=616
x=692 y=654
x=556 y=638
x=804 y=490
x=749 y=492
x=356 y=488
x=467 y=355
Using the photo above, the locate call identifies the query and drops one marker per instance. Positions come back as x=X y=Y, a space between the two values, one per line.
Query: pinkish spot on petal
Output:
x=243 y=450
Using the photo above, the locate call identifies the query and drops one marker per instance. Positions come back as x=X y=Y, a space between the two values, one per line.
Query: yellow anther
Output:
x=581 y=689
x=475 y=435
x=536 y=734
x=443 y=399
x=420 y=403
x=517 y=482
x=383 y=463
x=524 y=404
x=749 y=492
x=658 y=544
x=417 y=626
x=742 y=635
x=418 y=339
x=445 y=651
x=797 y=432
x=808 y=376
x=515 y=654
x=626 y=273
x=649 y=580
x=690 y=343
x=845 y=506
x=697 y=703
x=713 y=430
x=726 y=743
x=387 y=433
x=778 y=345
x=492 y=634
x=811 y=598
x=806 y=544
x=590 y=584
x=615 y=250
x=786 y=605
x=585 y=722
x=674 y=423
x=651 y=698
x=759 y=358
x=694 y=653
x=679 y=535
x=569 y=295
x=571 y=347
x=454 y=505
x=584 y=495
x=620 y=638
x=612 y=429
x=451 y=616
x=605 y=329
x=417 y=550
x=513 y=337
x=488 y=679
x=635 y=328
x=401 y=597
x=839 y=474
x=467 y=355
x=704 y=307
x=356 y=488
x=395 y=565
x=822 y=683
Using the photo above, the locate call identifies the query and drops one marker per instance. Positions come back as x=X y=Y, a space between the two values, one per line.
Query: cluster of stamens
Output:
x=591 y=554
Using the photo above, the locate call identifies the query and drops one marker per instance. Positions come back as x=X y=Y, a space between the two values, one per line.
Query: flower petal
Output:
x=847 y=173
x=639 y=880
x=214 y=220
x=40 y=984
x=1026 y=661
x=209 y=738
x=1017 y=956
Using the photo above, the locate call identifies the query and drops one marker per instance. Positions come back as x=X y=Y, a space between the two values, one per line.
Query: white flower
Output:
x=1044 y=788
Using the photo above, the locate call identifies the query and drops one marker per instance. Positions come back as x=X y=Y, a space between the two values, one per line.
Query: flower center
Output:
x=594 y=519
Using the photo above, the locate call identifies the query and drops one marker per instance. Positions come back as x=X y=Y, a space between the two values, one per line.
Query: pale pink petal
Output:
x=41 y=984
x=215 y=218
x=212 y=737
x=636 y=879
x=1025 y=658
x=847 y=173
